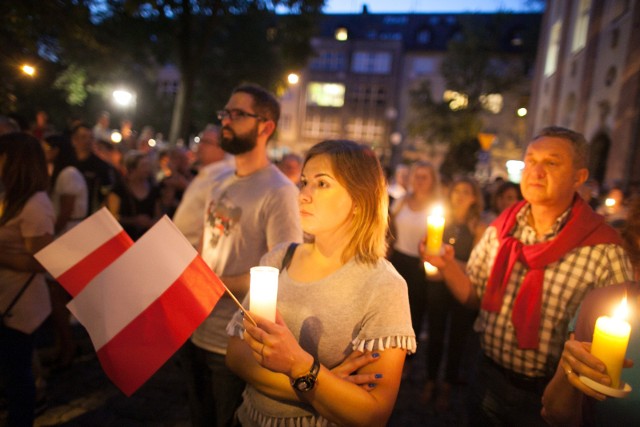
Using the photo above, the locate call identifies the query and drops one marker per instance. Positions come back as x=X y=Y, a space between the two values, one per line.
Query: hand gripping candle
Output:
x=610 y=340
x=435 y=228
x=263 y=292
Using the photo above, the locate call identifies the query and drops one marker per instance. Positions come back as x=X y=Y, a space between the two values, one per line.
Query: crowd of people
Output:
x=515 y=289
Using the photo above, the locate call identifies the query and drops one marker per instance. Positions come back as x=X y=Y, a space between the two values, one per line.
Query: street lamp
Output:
x=123 y=97
x=29 y=70
x=293 y=79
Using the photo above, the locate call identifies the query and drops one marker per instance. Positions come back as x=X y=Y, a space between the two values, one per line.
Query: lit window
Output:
x=456 y=100
x=342 y=34
x=322 y=126
x=325 y=94
x=551 y=62
x=365 y=130
x=492 y=102
x=581 y=26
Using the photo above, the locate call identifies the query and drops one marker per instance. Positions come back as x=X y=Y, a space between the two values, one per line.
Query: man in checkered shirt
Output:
x=541 y=256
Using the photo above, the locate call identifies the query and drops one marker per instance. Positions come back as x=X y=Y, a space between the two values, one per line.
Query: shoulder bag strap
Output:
x=288 y=255
x=13 y=302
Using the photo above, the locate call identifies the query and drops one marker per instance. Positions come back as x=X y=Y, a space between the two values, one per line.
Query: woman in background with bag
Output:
x=26 y=226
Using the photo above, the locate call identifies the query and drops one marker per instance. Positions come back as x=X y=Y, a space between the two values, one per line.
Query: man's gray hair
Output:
x=577 y=140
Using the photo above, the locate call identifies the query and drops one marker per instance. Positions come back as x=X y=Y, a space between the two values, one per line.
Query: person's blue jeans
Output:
x=215 y=393
x=16 y=374
x=495 y=400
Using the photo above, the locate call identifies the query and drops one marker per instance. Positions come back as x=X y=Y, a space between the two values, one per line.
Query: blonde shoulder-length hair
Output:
x=358 y=170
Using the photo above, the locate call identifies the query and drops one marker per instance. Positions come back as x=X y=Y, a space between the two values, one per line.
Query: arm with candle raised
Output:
x=454 y=275
x=335 y=397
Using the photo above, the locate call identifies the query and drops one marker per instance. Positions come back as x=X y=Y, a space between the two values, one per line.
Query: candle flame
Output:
x=622 y=311
x=610 y=202
x=437 y=211
x=430 y=269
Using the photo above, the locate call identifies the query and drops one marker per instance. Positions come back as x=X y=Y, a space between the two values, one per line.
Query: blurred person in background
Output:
x=99 y=175
x=449 y=321
x=213 y=162
x=26 y=226
x=135 y=201
x=397 y=188
x=407 y=227
x=68 y=193
x=291 y=166
x=614 y=208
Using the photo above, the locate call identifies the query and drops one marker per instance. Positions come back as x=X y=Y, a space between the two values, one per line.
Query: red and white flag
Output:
x=81 y=253
x=145 y=304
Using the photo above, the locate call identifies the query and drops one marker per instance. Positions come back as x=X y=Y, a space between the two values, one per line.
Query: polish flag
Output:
x=143 y=306
x=81 y=253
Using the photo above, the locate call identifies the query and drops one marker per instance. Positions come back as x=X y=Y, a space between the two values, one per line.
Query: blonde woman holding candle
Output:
x=337 y=297
x=567 y=400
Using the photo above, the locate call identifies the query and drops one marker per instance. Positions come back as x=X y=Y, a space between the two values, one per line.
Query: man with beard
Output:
x=248 y=211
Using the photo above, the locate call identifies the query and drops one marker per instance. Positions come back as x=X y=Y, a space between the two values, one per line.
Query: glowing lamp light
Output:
x=293 y=79
x=521 y=112
x=151 y=142
x=609 y=202
x=514 y=170
x=122 y=97
x=342 y=34
x=116 y=137
x=28 y=70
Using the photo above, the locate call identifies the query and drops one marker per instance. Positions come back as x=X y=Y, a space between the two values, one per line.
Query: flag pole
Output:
x=246 y=313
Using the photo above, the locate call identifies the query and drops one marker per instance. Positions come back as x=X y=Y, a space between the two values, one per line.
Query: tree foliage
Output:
x=89 y=47
x=474 y=65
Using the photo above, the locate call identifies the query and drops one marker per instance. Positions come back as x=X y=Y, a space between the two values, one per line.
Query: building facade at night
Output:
x=588 y=79
x=358 y=84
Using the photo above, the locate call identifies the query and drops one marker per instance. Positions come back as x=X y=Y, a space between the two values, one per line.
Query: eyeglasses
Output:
x=236 y=114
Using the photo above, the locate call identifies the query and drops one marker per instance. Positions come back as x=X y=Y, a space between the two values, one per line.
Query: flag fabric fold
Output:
x=81 y=253
x=142 y=305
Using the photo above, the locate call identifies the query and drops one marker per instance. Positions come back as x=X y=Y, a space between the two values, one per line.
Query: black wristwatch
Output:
x=307 y=381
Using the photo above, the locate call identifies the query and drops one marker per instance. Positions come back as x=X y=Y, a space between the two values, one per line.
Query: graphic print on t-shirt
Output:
x=222 y=215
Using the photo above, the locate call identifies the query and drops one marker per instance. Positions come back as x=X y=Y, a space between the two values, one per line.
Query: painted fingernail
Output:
x=378 y=375
x=375 y=355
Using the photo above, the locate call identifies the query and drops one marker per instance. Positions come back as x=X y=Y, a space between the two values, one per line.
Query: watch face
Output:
x=304 y=383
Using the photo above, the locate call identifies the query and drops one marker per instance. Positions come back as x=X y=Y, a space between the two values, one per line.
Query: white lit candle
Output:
x=263 y=292
x=435 y=228
x=610 y=340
